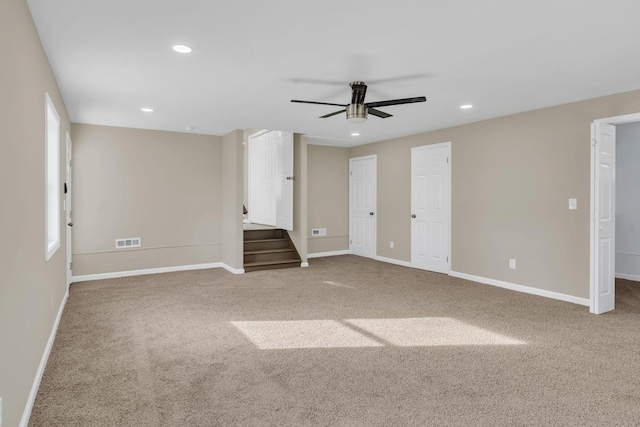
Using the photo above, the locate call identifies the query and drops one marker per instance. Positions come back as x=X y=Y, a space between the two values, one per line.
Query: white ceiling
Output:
x=250 y=58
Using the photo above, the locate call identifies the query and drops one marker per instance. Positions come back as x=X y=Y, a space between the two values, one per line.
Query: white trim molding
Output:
x=43 y=363
x=231 y=269
x=521 y=288
x=394 y=261
x=333 y=253
x=118 y=274
x=304 y=264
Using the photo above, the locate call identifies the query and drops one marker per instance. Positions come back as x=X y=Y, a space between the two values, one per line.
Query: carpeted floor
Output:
x=346 y=342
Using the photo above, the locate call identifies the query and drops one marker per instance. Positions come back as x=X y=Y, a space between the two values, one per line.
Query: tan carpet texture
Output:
x=346 y=342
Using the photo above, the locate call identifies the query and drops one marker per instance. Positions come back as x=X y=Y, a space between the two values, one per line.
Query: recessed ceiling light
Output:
x=189 y=128
x=355 y=134
x=180 y=48
x=147 y=110
x=466 y=106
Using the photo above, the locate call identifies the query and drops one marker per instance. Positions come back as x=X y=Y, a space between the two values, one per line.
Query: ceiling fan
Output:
x=357 y=111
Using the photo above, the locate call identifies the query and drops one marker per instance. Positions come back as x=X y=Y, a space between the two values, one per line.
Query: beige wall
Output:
x=164 y=187
x=511 y=181
x=232 y=178
x=31 y=290
x=328 y=197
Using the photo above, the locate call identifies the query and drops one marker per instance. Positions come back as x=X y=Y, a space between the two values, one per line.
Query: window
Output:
x=52 y=175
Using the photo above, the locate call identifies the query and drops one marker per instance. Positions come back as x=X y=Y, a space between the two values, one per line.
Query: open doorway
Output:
x=604 y=265
x=274 y=174
x=270 y=179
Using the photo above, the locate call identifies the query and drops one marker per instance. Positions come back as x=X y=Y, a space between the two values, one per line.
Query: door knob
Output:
x=70 y=224
x=370 y=213
x=413 y=215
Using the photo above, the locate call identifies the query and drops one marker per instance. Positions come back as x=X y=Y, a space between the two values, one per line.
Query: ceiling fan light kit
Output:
x=357 y=111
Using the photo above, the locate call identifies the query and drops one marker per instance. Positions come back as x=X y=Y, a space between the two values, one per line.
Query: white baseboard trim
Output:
x=118 y=274
x=231 y=269
x=304 y=264
x=632 y=277
x=521 y=288
x=43 y=363
x=393 y=261
x=324 y=254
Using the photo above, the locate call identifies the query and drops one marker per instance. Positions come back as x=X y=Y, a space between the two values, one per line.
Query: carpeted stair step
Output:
x=269 y=249
x=270 y=255
x=264 y=234
x=265 y=244
x=271 y=265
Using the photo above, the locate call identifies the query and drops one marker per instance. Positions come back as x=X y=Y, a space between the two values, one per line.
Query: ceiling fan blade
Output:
x=319 y=103
x=396 y=102
x=332 y=114
x=379 y=113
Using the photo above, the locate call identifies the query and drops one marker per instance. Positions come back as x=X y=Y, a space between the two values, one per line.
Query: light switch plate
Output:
x=512 y=264
x=573 y=204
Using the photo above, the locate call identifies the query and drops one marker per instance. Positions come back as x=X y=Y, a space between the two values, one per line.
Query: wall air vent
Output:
x=130 y=242
x=319 y=232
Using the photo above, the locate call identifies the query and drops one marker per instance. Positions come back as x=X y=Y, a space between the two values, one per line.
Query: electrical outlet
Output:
x=391 y=244
x=573 y=204
x=512 y=264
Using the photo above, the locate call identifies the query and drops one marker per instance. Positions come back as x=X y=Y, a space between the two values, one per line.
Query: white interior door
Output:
x=262 y=179
x=271 y=179
x=431 y=207
x=362 y=209
x=68 y=210
x=284 y=181
x=603 y=220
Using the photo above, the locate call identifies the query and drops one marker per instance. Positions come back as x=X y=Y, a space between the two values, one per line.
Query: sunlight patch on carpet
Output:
x=431 y=331
x=295 y=334
x=410 y=332
x=340 y=285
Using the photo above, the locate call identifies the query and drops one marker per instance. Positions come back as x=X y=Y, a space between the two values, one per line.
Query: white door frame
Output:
x=68 y=217
x=594 y=246
x=373 y=157
x=450 y=160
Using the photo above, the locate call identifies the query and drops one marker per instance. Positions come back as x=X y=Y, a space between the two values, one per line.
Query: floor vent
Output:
x=131 y=242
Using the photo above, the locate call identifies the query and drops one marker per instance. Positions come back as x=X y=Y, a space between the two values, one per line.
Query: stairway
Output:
x=268 y=250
